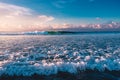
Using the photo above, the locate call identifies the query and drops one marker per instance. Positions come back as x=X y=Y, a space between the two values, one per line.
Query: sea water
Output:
x=27 y=55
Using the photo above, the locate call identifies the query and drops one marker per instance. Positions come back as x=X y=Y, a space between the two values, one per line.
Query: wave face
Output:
x=68 y=32
x=46 y=55
x=59 y=32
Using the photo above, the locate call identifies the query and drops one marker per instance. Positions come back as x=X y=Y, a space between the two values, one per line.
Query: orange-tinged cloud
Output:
x=17 y=18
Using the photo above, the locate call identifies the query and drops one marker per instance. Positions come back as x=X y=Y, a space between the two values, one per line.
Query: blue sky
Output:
x=70 y=11
x=72 y=8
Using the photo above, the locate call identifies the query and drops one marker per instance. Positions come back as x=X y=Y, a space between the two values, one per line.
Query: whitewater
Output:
x=27 y=55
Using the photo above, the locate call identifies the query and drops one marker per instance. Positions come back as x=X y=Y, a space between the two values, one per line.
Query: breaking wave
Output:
x=60 y=32
x=66 y=32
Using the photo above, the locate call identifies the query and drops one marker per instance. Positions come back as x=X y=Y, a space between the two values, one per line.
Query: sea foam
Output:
x=46 y=55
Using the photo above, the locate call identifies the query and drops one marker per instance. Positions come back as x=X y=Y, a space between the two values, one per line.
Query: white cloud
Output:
x=98 y=18
x=13 y=10
x=17 y=18
x=65 y=25
x=62 y=3
x=45 y=18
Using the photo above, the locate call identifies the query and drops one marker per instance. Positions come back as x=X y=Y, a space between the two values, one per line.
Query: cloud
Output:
x=13 y=10
x=62 y=3
x=98 y=18
x=45 y=18
x=65 y=25
x=17 y=18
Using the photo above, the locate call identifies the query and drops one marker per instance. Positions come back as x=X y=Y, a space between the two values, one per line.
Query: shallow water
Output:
x=50 y=54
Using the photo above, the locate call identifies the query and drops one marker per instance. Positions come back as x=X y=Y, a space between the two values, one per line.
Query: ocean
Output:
x=60 y=57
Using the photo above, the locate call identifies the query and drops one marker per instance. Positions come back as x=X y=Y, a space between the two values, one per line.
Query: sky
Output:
x=32 y=15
